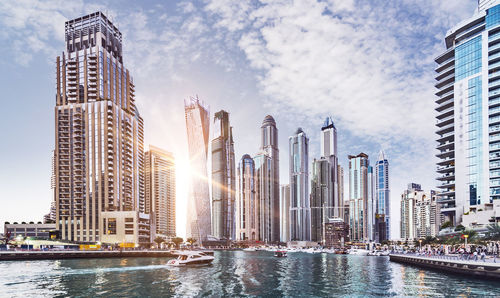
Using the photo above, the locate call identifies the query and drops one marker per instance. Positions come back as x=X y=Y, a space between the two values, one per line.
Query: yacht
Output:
x=250 y=249
x=191 y=258
x=358 y=252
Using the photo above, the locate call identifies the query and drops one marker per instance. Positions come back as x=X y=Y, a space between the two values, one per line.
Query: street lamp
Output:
x=466 y=236
x=420 y=241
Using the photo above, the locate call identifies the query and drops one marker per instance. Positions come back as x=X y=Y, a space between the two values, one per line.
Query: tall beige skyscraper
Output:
x=358 y=197
x=198 y=214
x=223 y=178
x=99 y=154
x=247 y=207
x=160 y=191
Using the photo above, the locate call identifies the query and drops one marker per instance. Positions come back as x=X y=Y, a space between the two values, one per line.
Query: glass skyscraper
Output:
x=247 y=210
x=358 y=198
x=198 y=223
x=382 y=198
x=300 y=211
x=468 y=119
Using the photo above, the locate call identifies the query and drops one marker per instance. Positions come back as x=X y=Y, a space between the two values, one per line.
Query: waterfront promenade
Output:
x=82 y=254
x=455 y=264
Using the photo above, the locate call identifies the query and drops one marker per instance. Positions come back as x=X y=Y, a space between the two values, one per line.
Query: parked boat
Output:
x=358 y=252
x=191 y=258
x=280 y=254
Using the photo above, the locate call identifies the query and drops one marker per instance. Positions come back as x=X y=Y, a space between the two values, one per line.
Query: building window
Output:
x=111 y=230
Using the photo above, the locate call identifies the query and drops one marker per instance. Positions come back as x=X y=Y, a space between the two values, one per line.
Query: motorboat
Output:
x=191 y=258
x=280 y=254
x=250 y=249
x=358 y=252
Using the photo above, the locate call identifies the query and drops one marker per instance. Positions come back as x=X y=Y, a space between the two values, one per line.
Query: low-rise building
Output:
x=126 y=227
x=31 y=229
x=336 y=232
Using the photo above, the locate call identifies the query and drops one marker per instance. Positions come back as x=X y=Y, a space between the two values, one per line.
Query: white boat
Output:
x=358 y=252
x=191 y=258
x=250 y=249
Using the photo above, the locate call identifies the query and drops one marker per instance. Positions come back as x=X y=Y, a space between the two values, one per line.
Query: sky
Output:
x=367 y=64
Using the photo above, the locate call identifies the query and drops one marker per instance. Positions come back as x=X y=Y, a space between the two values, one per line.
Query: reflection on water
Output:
x=235 y=273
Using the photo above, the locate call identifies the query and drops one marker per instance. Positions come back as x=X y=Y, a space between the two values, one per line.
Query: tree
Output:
x=446 y=224
x=428 y=240
x=177 y=241
x=159 y=240
x=493 y=232
x=459 y=228
x=191 y=241
x=471 y=234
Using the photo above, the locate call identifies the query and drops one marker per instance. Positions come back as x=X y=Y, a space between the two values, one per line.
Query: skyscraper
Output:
x=408 y=200
x=382 y=197
x=300 y=211
x=263 y=194
x=99 y=163
x=198 y=223
x=223 y=181
x=371 y=205
x=358 y=197
x=325 y=197
x=285 y=213
x=468 y=118
x=160 y=191
x=247 y=216
x=269 y=145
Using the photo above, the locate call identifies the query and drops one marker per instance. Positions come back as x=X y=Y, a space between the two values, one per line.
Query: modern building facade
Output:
x=371 y=204
x=199 y=223
x=408 y=200
x=336 y=233
x=300 y=210
x=247 y=205
x=31 y=229
x=382 y=199
x=325 y=197
x=223 y=178
x=269 y=145
x=285 y=213
x=420 y=213
x=358 y=197
x=99 y=153
x=468 y=117
x=160 y=191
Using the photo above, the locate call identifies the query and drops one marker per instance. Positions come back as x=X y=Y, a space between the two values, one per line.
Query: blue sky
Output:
x=368 y=64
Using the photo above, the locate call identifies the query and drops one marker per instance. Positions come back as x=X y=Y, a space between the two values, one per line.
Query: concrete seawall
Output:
x=58 y=255
x=474 y=268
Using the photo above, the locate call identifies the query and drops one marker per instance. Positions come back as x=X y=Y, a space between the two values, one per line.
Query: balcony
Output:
x=445 y=97
x=445 y=105
x=447 y=161
x=446 y=137
x=446 y=145
x=446 y=153
x=445 y=169
x=446 y=128
x=446 y=80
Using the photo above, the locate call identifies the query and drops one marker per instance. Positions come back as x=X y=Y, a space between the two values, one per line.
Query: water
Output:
x=236 y=273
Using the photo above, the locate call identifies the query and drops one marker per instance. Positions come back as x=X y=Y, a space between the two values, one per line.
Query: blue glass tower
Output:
x=382 y=198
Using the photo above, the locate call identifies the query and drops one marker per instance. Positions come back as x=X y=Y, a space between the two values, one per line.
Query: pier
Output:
x=82 y=254
x=478 y=268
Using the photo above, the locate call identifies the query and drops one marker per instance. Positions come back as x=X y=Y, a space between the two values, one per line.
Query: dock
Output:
x=487 y=269
x=82 y=254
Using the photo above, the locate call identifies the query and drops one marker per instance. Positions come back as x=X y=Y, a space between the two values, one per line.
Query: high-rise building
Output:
x=358 y=197
x=248 y=208
x=370 y=205
x=427 y=215
x=321 y=192
x=99 y=163
x=468 y=118
x=198 y=225
x=328 y=141
x=420 y=214
x=223 y=181
x=269 y=145
x=160 y=191
x=285 y=213
x=300 y=211
x=382 y=198
x=263 y=194
x=407 y=220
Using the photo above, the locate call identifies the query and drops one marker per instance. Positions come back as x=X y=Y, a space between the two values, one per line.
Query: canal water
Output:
x=235 y=273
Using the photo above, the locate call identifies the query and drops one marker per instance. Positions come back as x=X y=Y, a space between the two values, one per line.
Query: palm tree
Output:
x=471 y=234
x=493 y=232
x=428 y=240
x=177 y=241
x=159 y=241
x=446 y=224
x=191 y=241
